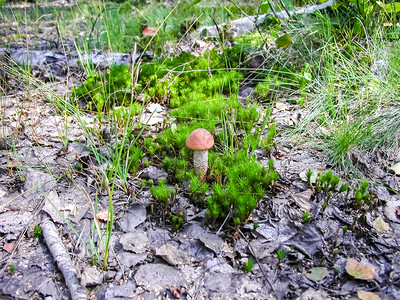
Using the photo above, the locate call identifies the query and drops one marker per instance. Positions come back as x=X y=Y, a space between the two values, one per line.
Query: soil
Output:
x=41 y=185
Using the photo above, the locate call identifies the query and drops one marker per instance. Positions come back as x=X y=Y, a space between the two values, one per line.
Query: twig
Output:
x=226 y=219
x=64 y=262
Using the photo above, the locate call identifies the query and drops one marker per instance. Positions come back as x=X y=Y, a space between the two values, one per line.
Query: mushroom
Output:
x=200 y=140
x=149 y=31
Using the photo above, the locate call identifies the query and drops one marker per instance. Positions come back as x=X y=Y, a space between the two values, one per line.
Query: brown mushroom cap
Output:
x=149 y=31
x=200 y=139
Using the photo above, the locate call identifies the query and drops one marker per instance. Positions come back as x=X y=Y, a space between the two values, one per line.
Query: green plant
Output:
x=363 y=197
x=268 y=141
x=103 y=93
x=248 y=265
x=245 y=185
x=11 y=268
x=345 y=228
x=177 y=221
x=255 y=225
x=196 y=187
x=161 y=193
x=280 y=254
x=327 y=182
x=306 y=216
x=37 y=233
x=309 y=174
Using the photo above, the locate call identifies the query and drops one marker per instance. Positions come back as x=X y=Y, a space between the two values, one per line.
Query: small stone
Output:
x=136 y=242
x=172 y=255
x=156 y=276
x=91 y=276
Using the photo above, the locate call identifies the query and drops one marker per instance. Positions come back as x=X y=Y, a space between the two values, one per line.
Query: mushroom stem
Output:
x=200 y=163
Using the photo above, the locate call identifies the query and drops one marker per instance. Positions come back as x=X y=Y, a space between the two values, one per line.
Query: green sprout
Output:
x=306 y=216
x=255 y=225
x=309 y=175
x=248 y=265
x=37 y=233
x=161 y=193
x=177 y=221
x=11 y=268
x=280 y=254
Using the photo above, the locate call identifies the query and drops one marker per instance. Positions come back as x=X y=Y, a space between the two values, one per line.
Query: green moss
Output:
x=161 y=193
x=246 y=181
x=104 y=92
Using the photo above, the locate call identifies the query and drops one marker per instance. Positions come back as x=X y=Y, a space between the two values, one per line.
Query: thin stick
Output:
x=64 y=262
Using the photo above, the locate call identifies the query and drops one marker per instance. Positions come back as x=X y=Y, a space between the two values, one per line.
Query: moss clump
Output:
x=246 y=181
x=104 y=92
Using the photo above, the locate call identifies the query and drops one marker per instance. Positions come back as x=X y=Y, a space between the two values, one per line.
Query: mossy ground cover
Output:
x=340 y=77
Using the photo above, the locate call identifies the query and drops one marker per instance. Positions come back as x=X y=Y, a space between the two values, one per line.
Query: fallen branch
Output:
x=64 y=262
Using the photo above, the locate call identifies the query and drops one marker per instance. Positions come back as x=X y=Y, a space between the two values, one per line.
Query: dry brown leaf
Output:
x=102 y=216
x=359 y=270
x=367 y=296
x=8 y=247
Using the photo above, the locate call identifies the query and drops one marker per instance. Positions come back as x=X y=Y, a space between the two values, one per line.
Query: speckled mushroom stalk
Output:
x=200 y=163
x=200 y=140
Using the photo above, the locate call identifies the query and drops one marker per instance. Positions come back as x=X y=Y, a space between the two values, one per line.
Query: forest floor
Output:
x=336 y=252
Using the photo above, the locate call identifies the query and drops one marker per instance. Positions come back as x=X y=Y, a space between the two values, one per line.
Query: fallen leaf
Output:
x=102 y=216
x=302 y=199
x=284 y=41
x=281 y=106
x=359 y=270
x=380 y=225
x=396 y=168
x=367 y=296
x=317 y=274
x=8 y=247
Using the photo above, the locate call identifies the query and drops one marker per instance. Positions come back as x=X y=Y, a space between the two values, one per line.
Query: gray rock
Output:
x=153 y=173
x=129 y=260
x=173 y=255
x=311 y=294
x=158 y=276
x=219 y=265
x=14 y=221
x=91 y=276
x=308 y=240
x=158 y=237
x=391 y=211
x=36 y=183
x=53 y=199
x=217 y=282
x=135 y=216
x=123 y=291
x=212 y=242
x=136 y=242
